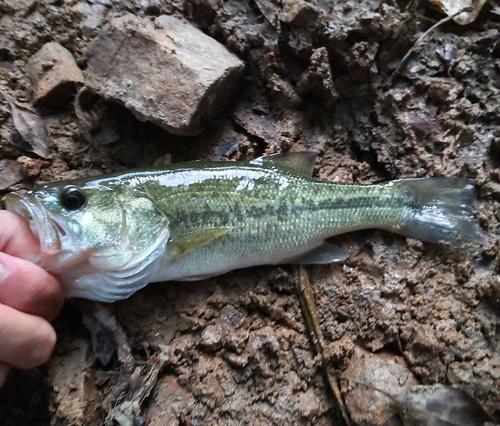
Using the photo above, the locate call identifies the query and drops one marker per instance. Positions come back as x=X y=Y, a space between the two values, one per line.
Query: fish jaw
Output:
x=57 y=235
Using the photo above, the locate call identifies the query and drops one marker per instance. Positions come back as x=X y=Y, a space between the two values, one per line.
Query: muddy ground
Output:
x=235 y=349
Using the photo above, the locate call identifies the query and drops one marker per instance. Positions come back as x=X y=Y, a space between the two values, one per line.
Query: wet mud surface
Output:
x=236 y=350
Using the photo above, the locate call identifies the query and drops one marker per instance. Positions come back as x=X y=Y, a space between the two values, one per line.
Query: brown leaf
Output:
x=11 y=172
x=439 y=405
x=31 y=127
x=97 y=120
x=271 y=10
x=451 y=7
x=101 y=337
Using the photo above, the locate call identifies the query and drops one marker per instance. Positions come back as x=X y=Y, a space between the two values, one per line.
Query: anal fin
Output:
x=325 y=253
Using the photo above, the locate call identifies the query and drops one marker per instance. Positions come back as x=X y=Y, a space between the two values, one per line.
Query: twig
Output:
x=424 y=35
x=308 y=307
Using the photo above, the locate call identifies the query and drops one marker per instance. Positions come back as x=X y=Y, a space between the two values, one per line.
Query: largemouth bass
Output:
x=107 y=237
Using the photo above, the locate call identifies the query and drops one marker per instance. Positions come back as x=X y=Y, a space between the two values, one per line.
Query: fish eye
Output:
x=72 y=198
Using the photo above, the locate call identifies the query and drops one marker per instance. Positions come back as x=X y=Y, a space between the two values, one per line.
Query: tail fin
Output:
x=437 y=211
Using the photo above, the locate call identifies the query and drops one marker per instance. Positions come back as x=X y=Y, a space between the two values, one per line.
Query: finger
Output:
x=16 y=237
x=28 y=288
x=4 y=372
x=27 y=340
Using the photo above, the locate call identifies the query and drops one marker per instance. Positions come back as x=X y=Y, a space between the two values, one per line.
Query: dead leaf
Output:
x=451 y=7
x=128 y=411
x=271 y=10
x=101 y=338
x=437 y=405
x=31 y=127
x=133 y=384
x=11 y=172
x=96 y=119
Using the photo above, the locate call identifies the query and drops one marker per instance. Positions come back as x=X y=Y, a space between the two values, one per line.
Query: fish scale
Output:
x=280 y=217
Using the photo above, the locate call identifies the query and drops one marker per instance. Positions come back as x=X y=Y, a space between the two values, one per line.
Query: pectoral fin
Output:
x=325 y=253
x=187 y=243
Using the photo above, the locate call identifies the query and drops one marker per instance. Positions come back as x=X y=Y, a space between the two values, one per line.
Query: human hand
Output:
x=29 y=298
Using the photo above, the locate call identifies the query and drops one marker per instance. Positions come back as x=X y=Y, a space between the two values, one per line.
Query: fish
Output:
x=107 y=237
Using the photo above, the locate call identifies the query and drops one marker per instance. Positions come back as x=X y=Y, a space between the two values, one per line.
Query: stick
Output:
x=424 y=35
x=308 y=307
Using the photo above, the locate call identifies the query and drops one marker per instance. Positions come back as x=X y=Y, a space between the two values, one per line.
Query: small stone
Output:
x=284 y=93
x=91 y=17
x=211 y=337
x=298 y=13
x=238 y=361
x=166 y=71
x=53 y=73
x=308 y=403
x=383 y=371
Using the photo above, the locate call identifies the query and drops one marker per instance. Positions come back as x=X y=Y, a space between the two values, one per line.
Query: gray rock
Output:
x=211 y=338
x=165 y=71
x=53 y=73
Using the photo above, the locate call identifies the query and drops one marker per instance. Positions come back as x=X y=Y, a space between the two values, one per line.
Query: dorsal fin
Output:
x=298 y=162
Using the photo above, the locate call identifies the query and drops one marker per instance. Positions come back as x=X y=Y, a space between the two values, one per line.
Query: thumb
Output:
x=16 y=237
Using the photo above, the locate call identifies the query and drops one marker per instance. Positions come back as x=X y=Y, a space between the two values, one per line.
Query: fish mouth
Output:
x=50 y=228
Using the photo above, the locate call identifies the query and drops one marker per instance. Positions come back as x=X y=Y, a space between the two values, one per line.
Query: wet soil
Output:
x=320 y=77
